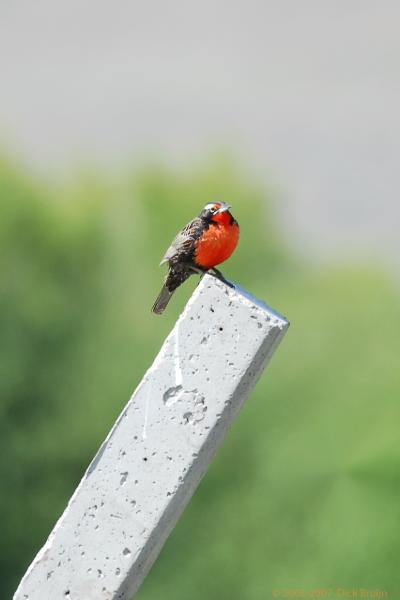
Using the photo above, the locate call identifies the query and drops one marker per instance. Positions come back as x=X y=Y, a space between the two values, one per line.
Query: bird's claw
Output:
x=218 y=275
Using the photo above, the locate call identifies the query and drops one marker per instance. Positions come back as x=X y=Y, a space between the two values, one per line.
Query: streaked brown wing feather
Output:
x=182 y=247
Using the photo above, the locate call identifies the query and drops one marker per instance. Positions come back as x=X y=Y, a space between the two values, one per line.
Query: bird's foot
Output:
x=213 y=272
x=216 y=273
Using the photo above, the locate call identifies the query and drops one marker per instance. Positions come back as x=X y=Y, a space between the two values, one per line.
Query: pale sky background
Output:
x=308 y=93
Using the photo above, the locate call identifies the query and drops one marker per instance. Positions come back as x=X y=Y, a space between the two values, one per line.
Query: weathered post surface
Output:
x=147 y=469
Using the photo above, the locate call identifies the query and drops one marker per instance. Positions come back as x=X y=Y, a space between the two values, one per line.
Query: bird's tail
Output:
x=175 y=277
x=162 y=300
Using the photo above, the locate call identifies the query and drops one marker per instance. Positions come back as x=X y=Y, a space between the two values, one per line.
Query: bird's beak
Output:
x=223 y=209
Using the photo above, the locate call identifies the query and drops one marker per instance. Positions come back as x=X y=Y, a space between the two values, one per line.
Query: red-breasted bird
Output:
x=205 y=242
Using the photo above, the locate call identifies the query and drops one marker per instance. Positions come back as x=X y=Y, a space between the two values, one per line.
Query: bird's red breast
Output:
x=217 y=242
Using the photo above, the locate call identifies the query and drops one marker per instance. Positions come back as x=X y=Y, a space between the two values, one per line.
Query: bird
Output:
x=205 y=242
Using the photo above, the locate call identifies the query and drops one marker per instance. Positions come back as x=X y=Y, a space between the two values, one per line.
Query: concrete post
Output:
x=141 y=479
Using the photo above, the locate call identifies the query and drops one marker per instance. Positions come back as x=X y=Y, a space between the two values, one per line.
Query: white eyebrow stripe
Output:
x=214 y=205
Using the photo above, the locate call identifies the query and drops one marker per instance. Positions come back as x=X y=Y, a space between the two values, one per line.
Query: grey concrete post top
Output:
x=141 y=479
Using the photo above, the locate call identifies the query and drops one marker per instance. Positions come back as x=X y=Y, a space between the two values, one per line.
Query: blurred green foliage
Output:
x=304 y=492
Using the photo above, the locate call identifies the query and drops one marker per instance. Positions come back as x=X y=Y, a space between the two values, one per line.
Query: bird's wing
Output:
x=182 y=247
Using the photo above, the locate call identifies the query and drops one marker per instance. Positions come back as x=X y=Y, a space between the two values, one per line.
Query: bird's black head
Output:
x=212 y=210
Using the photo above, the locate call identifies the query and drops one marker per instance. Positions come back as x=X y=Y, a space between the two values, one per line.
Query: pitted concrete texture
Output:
x=161 y=445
